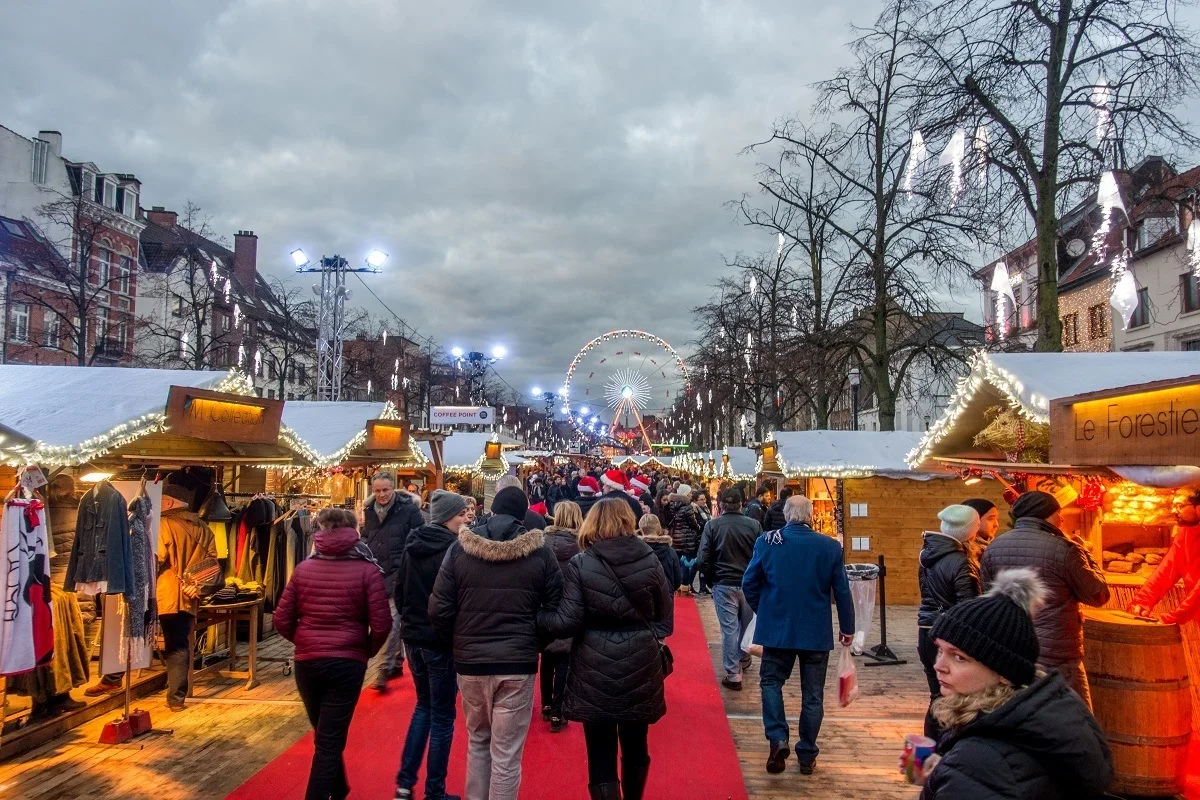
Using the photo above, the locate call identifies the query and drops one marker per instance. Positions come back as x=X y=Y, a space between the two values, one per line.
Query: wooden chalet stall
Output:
x=125 y=428
x=865 y=494
x=339 y=445
x=473 y=462
x=1116 y=437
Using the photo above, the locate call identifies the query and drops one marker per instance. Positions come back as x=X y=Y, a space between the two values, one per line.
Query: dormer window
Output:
x=131 y=204
x=1151 y=230
x=87 y=185
x=110 y=194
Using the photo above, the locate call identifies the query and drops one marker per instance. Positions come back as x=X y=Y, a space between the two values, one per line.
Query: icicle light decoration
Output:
x=779 y=249
x=1102 y=100
x=1124 y=292
x=385 y=337
x=1108 y=197
x=258 y=362
x=237 y=315
x=1002 y=286
x=228 y=289
x=753 y=287
x=953 y=157
x=241 y=354
x=980 y=146
x=1193 y=246
x=917 y=154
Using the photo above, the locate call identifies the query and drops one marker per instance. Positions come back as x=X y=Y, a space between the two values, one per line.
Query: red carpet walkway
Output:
x=692 y=746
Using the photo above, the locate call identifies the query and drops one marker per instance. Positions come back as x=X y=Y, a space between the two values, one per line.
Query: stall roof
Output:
x=844 y=454
x=743 y=463
x=70 y=415
x=1028 y=382
x=463 y=450
x=327 y=432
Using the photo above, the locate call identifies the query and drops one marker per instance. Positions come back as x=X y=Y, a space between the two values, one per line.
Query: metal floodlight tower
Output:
x=331 y=313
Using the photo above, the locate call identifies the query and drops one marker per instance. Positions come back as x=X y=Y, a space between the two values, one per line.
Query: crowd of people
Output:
x=565 y=589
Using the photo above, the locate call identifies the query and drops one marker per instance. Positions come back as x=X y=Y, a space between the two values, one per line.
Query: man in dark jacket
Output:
x=387 y=521
x=794 y=575
x=725 y=549
x=946 y=577
x=486 y=596
x=756 y=509
x=588 y=490
x=615 y=484
x=682 y=525
x=1070 y=574
x=774 y=519
x=430 y=656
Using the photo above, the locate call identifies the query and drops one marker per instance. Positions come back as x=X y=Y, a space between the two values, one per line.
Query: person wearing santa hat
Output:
x=589 y=493
x=615 y=485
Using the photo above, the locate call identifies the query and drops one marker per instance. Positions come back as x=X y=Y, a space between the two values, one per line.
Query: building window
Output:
x=1098 y=321
x=1152 y=229
x=226 y=322
x=98 y=193
x=1191 y=344
x=119 y=337
x=87 y=185
x=131 y=204
x=1141 y=315
x=103 y=267
x=302 y=373
x=272 y=369
x=271 y=393
x=110 y=194
x=1189 y=292
x=179 y=305
x=52 y=331
x=123 y=271
x=41 y=158
x=20 y=323
x=1070 y=330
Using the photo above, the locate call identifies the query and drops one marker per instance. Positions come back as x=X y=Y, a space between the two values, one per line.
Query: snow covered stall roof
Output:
x=844 y=454
x=1029 y=382
x=328 y=433
x=70 y=415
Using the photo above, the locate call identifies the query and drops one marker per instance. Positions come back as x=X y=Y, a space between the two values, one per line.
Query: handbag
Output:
x=665 y=657
x=201 y=579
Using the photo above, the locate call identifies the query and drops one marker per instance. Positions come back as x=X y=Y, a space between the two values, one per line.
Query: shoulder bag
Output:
x=665 y=656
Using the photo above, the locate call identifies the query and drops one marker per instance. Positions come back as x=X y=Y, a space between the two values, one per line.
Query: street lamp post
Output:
x=854 y=380
x=475 y=365
x=331 y=313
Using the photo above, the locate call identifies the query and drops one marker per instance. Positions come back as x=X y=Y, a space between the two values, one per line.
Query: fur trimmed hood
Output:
x=520 y=546
x=658 y=539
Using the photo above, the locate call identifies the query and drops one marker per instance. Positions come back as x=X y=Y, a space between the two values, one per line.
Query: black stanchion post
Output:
x=883 y=655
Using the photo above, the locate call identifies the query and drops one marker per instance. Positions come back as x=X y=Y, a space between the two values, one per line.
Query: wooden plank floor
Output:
x=859 y=744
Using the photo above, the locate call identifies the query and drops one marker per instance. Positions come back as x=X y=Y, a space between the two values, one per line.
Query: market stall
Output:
x=473 y=462
x=339 y=445
x=1116 y=438
x=104 y=437
x=866 y=495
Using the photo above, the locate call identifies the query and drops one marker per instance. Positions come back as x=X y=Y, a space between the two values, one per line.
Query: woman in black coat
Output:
x=683 y=526
x=613 y=593
x=563 y=539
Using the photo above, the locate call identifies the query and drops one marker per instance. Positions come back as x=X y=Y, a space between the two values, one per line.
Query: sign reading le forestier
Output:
x=222 y=417
x=1159 y=425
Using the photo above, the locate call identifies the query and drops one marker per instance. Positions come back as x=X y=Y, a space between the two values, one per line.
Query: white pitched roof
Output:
x=829 y=454
x=328 y=427
x=743 y=461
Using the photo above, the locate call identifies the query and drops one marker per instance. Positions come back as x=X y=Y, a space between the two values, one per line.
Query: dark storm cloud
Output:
x=540 y=172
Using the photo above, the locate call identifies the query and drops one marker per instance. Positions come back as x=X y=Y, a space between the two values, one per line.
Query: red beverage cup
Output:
x=917 y=748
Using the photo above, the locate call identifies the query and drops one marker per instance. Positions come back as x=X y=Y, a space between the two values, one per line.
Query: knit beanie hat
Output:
x=445 y=506
x=1040 y=505
x=506 y=481
x=996 y=629
x=982 y=506
x=587 y=485
x=511 y=501
x=959 y=522
x=684 y=490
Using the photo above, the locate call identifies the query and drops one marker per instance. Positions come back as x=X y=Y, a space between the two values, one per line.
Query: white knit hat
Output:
x=684 y=490
x=959 y=521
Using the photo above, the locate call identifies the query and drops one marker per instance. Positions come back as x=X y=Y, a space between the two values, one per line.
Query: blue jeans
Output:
x=432 y=720
x=773 y=673
x=734 y=614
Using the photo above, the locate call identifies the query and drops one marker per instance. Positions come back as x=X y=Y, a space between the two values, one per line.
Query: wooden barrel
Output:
x=1141 y=698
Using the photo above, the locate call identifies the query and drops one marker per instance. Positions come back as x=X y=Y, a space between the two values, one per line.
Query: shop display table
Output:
x=230 y=614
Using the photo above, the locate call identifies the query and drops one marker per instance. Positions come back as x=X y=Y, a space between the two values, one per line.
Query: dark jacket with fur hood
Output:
x=681 y=522
x=661 y=546
x=487 y=595
x=564 y=543
x=616 y=672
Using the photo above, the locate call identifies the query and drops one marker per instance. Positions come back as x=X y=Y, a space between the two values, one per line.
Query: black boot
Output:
x=605 y=791
x=633 y=780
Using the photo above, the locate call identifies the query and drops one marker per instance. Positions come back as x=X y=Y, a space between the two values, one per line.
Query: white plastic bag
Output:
x=847 y=678
x=748 y=645
x=863 y=592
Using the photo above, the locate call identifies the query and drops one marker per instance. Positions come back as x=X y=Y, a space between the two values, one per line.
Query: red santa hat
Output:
x=588 y=485
x=540 y=508
x=639 y=483
x=615 y=479
x=635 y=491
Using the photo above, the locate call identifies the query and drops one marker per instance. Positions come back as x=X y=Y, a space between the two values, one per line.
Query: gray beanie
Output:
x=959 y=521
x=445 y=506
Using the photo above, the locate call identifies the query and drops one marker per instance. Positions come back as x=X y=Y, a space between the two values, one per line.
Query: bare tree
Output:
x=74 y=293
x=287 y=332
x=1060 y=90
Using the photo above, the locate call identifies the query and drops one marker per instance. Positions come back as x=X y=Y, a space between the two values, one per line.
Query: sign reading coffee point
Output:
x=386 y=435
x=221 y=417
x=462 y=415
x=1157 y=426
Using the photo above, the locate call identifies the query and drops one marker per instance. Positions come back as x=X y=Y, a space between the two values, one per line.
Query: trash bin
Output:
x=863 y=580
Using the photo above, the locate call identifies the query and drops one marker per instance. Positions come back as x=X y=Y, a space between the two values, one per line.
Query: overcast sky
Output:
x=540 y=171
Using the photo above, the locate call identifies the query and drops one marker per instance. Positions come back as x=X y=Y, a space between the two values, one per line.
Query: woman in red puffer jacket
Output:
x=335 y=610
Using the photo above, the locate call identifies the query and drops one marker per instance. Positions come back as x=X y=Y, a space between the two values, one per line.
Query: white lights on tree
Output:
x=1124 y=294
x=1102 y=101
x=237 y=314
x=1193 y=246
x=1002 y=286
x=779 y=249
x=258 y=363
x=228 y=289
x=1108 y=197
x=385 y=336
x=368 y=386
x=753 y=287
x=917 y=153
x=213 y=273
x=241 y=354
x=953 y=157
x=980 y=146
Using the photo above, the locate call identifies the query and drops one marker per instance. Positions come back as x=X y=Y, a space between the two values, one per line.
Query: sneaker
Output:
x=100 y=689
x=546 y=713
x=380 y=684
x=402 y=794
x=806 y=768
x=779 y=755
x=732 y=685
x=173 y=705
x=558 y=724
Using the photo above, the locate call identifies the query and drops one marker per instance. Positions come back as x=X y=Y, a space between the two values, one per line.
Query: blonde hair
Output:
x=567 y=515
x=962 y=709
x=608 y=519
x=333 y=517
x=649 y=525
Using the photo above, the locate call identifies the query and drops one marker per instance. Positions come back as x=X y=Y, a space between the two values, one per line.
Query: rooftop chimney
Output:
x=55 y=140
x=161 y=217
x=245 y=259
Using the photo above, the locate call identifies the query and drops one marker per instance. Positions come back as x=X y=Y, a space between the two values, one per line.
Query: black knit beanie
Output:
x=981 y=505
x=511 y=501
x=997 y=628
x=1040 y=505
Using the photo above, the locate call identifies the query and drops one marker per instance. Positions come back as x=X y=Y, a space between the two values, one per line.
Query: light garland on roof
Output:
x=297 y=443
x=982 y=371
x=97 y=446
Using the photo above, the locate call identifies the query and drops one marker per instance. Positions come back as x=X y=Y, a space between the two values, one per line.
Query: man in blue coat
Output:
x=789 y=583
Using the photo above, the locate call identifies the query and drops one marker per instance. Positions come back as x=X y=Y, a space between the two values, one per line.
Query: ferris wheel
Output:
x=619 y=379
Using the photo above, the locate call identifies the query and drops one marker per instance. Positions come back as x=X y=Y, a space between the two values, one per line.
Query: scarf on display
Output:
x=142 y=612
x=26 y=621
